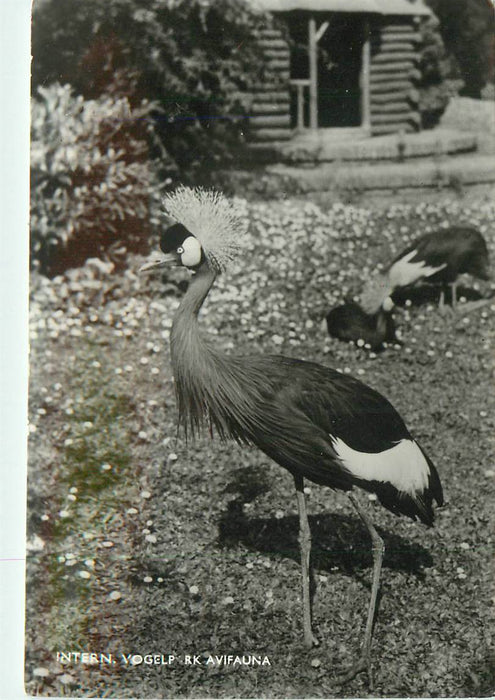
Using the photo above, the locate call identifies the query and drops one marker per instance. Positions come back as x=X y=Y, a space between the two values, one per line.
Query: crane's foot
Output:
x=310 y=640
x=446 y=311
x=362 y=664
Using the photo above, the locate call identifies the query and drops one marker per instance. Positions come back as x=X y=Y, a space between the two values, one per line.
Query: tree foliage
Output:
x=467 y=30
x=195 y=60
x=435 y=67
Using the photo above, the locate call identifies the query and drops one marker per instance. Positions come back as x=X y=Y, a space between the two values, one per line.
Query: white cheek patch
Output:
x=403 y=272
x=192 y=252
x=403 y=465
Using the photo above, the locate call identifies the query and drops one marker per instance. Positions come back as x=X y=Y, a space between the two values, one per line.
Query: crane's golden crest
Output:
x=211 y=218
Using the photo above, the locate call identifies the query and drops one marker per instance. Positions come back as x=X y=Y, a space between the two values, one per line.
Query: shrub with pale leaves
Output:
x=91 y=178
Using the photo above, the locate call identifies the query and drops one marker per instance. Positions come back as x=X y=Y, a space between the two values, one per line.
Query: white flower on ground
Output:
x=41 y=672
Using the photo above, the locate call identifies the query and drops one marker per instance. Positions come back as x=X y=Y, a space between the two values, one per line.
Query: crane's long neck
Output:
x=187 y=314
x=189 y=350
x=213 y=390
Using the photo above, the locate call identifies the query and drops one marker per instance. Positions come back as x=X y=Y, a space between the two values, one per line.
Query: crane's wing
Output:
x=419 y=260
x=337 y=431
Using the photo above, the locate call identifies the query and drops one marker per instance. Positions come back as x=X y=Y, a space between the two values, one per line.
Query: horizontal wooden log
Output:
x=280 y=74
x=390 y=86
x=269 y=33
x=380 y=76
x=277 y=54
x=271 y=107
x=395 y=47
x=277 y=64
x=389 y=57
x=410 y=116
x=266 y=135
x=391 y=37
x=404 y=67
x=273 y=84
x=264 y=120
x=408 y=94
x=398 y=107
x=271 y=97
x=272 y=44
x=398 y=28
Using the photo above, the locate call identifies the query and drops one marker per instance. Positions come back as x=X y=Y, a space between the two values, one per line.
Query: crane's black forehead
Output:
x=173 y=237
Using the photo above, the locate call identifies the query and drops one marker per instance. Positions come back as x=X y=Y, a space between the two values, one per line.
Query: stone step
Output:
x=452 y=171
x=338 y=145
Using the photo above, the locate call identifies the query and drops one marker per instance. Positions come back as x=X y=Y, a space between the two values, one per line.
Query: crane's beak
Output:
x=388 y=304
x=157 y=261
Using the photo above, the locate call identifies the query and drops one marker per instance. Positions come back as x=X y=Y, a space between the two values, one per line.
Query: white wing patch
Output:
x=403 y=465
x=403 y=272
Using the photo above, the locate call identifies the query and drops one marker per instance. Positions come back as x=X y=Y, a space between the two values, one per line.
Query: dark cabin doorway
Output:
x=340 y=52
x=339 y=69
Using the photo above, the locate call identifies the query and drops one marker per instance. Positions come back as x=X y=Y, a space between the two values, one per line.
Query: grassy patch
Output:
x=199 y=541
x=92 y=480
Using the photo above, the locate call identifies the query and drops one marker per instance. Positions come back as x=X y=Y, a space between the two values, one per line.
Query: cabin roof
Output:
x=380 y=7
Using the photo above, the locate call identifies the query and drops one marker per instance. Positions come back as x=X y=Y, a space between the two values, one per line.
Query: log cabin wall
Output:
x=270 y=114
x=394 y=101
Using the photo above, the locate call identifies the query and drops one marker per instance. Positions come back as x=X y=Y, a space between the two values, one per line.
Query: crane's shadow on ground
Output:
x=339 y=541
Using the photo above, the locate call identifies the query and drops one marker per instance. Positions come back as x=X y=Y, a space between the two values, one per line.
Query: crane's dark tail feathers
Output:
x=418 y=506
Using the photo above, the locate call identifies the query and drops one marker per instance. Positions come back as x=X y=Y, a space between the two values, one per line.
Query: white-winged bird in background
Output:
x=317 y=423
x=437 y=258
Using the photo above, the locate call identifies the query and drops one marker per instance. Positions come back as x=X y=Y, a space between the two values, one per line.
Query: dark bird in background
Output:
x=436 y=258
x=350 y=322
x=317 y=423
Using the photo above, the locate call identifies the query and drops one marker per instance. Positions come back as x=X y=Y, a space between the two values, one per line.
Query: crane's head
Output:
x=376 y=295
x=208 y=230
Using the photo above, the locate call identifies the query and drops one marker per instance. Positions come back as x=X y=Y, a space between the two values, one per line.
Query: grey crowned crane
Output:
x=350 y=322
x=437 y=258
x=317 y=423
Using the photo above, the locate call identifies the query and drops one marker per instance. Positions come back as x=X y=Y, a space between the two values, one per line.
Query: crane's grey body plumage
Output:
x=292 y=410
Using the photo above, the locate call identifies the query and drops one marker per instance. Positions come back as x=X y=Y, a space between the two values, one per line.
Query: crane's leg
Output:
x=441 y=301
x=305 y=544
x=378 y=549
x=442 y=306
x=453 y=286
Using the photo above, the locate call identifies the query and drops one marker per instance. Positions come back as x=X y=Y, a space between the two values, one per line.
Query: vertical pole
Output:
x=300 y=107
x=365 y=80
x=313 y=74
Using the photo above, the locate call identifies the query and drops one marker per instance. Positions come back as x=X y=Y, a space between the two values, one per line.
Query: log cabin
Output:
x=348 y=65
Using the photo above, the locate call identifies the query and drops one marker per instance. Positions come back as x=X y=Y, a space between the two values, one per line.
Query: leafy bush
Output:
x=91 y=178
x=195 y=60
x=467 y=30
x=434 y=90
